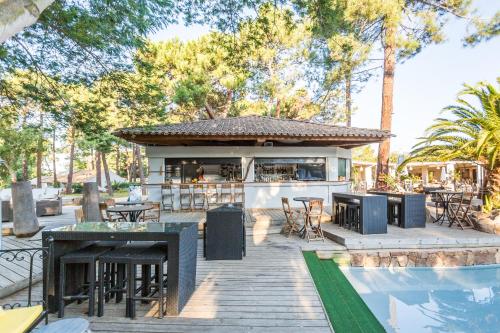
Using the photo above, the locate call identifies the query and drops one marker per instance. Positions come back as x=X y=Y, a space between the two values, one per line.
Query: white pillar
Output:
x=156 y=176
x=368 y=176
x=480 y=175
x=450 y=170
x=425 y=175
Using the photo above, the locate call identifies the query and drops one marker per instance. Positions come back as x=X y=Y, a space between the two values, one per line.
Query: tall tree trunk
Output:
x=54 y=157
x=494 y=186
x=106 y=174
x=140 y=168
x=133 y=173
x=229 y=101
x=92 y=159
x=348 y=99
x=278 y=108
x=69 y=183
x=387 y=104
x=209 y=110
x=39 y=155
x=128 y=165
x=98 y=174
x=117 y=161
x=25 y=171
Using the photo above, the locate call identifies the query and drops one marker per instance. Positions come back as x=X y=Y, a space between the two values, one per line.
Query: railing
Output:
x=30 y=255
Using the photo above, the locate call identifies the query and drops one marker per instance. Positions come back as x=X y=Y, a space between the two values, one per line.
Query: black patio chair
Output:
x=29 y=256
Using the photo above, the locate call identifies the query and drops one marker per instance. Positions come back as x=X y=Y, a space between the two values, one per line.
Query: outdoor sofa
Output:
x=47 y=200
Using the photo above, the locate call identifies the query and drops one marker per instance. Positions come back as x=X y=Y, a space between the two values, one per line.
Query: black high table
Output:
x=373 y=211
x=182 y=241
x=412 y=207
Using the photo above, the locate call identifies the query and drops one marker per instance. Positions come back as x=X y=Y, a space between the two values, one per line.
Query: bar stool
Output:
x=340 y=213
x=185 y=197
x=198 y=197
x=353 y=216
x=167 y=197
x=211 y=194
x=225 y=193
x=152 y=257
x=127 y=258
x=394 y=211
x=87 y=256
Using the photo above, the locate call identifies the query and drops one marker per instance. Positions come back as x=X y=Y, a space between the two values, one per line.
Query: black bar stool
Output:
x=87 y=256
x=341 y=213
x=156 y=257
x=394 y=211
x=353 y=216
x=127 y=259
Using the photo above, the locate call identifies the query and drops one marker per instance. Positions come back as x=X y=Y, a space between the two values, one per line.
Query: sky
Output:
x=424 y=84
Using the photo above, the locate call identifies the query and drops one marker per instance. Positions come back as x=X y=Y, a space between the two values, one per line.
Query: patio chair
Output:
x=239 y=194
x=199 y=197
x=25 y=316
x=152 y=215
x=291 y=215
x=212 y=195
x=314 y=214
x=79 y=215
x=167 y=197
x=225 y=193
x=107 y=216
x=460 y=211
x=185 y=197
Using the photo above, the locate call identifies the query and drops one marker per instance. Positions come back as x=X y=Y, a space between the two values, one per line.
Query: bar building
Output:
x=272 y=157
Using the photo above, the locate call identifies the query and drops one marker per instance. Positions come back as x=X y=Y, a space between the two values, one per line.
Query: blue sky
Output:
x=423 y=85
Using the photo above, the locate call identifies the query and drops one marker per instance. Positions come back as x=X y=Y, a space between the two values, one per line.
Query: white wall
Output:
x=257 y=195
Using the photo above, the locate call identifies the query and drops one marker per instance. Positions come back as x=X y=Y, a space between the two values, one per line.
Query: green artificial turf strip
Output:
x=345 y=308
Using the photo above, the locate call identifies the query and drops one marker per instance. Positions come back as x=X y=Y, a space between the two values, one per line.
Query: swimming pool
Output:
x=422 y=299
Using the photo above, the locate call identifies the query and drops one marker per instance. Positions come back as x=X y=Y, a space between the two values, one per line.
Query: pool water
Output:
x=465 y=299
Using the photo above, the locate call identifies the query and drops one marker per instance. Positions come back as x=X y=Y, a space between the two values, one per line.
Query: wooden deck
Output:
x=270 y=290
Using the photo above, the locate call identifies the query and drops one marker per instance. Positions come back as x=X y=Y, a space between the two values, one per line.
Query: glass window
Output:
x=342 y=168
x=290 y=169
x=211 y=170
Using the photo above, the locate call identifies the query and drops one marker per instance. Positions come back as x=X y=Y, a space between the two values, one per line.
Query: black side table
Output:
x=224 y=233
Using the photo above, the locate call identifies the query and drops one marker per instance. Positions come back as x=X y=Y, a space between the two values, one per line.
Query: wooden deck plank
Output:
x=270 y=290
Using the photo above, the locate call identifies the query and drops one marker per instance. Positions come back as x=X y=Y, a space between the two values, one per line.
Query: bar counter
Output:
x=373 y=211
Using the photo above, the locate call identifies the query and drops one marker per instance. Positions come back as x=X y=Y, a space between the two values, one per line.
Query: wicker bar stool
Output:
x=127 y=258
x=87 y=256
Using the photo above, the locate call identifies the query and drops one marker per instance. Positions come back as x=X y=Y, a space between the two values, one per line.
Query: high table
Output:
x=182 y=241
x=445 y=198
x=412 y=213
x=373 y=211
x=305 y=201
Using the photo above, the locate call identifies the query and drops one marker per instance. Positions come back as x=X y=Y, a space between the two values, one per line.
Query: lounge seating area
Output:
x=48 y=202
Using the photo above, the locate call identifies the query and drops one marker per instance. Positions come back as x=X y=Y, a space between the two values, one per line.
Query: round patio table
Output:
x=445 y=197
x=132 y=211
x=305 y=201
x=131 y=203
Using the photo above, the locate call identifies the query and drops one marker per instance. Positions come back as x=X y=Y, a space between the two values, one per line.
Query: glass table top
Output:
x=124 y=227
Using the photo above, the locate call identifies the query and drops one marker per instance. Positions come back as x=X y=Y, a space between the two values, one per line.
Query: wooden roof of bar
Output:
x=250 y=131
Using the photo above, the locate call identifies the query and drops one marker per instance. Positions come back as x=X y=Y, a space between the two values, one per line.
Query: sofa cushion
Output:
x=5 y=194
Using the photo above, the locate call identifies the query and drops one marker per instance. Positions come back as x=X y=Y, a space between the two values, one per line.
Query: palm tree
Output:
x=471 y=133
